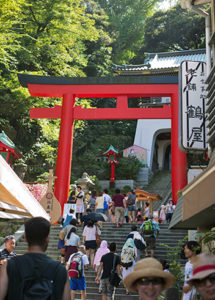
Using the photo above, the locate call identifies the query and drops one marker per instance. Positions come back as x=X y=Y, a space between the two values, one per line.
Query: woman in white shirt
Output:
x=169 y=211
x=100 y=203
x=79 y=203
x=89 y=239
x=72 y=242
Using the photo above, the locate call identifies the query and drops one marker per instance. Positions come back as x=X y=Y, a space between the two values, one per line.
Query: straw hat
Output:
x=148 y=267
x=203 y=266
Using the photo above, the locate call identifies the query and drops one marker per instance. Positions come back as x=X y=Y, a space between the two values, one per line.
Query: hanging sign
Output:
x=192 y=108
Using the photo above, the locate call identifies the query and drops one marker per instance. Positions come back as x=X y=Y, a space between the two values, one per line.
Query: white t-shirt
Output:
x=90 y=233
x=188 y=272
x=100 y=202
x=85 y=260
x=107 y=198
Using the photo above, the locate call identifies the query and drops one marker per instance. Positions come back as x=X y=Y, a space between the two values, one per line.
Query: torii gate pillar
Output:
x=178 y=158
x=64 y=156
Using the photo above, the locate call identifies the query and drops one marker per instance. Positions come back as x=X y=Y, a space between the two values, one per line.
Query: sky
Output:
x=166 y=4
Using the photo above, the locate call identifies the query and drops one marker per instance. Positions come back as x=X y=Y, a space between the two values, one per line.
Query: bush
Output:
x=128 y=168
x=173 y=257
x=126 y=189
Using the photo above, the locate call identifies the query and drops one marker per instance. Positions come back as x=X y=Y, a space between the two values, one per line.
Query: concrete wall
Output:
x=105 y=184
x=146 y=133
x=192 y=173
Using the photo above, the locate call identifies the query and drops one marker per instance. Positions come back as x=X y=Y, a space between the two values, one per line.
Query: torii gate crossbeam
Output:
x=118 y=87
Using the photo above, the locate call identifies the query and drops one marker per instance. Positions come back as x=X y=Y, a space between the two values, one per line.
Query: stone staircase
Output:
x=109 y=233
x=160 y=184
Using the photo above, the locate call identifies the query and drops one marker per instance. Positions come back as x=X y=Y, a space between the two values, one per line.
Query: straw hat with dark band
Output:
x=203 y=266
x=148 y=267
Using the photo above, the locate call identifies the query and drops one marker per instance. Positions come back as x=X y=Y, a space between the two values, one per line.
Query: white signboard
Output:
x=192 y=112
x=67 y=208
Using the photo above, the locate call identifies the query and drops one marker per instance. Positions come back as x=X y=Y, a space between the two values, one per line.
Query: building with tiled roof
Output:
x=165 y=63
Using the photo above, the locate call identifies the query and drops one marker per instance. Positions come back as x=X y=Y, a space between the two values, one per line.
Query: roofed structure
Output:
x=8 y=149
x=165 y=63
x=15 y=199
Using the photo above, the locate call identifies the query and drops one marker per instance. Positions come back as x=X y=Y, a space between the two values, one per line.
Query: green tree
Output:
x=44 y=38
x=92 y=141
x=10 y=13
x=98 y=52
x=127 y=19
x=172 y=30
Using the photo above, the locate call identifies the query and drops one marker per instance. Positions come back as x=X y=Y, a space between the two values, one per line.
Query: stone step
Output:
x=125 y=231
x=117 y=296
x=53 y=247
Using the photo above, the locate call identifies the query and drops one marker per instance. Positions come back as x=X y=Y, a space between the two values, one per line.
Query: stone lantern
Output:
x=85 y=182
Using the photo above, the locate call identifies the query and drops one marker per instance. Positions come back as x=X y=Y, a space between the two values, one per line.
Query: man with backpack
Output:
x=138 y=240
x=150 y=230
x=75 y=266
x=109 y=263
x=34 y=275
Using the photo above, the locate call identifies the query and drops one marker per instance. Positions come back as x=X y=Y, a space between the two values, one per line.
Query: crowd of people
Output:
x=34 y=275
x=21 y=277
x=119 y=208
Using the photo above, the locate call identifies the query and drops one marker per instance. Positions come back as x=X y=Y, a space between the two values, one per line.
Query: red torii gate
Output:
x=118 y=87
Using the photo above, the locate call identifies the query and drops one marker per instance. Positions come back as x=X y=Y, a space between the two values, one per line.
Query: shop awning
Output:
x=15 y=198
x=196 y=206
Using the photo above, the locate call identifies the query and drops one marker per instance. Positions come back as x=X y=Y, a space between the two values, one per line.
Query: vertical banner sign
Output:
x=192 y=110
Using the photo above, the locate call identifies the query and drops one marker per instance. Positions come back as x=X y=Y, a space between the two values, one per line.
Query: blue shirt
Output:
x=67 y=220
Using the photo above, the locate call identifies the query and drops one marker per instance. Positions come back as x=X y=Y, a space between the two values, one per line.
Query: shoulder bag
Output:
x=114 y=279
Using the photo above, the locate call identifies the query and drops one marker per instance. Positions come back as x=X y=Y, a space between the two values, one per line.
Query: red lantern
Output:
x=112 y=154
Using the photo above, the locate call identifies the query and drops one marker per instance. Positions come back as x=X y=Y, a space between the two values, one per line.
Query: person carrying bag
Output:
x=114 y=279
x=110 y=268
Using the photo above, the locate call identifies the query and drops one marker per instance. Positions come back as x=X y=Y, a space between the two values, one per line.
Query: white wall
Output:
x=192 y=173
x=146 y=133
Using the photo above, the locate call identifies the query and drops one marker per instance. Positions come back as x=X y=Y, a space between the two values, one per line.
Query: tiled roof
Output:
x=6 y=141
x=164 y=61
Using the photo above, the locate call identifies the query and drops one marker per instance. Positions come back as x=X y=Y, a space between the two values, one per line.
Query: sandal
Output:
x=99 y=291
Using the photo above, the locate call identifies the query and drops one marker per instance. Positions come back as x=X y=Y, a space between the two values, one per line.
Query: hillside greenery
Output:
x=74 y=38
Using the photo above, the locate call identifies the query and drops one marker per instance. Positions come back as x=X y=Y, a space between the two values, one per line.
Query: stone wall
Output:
x=105 y=184
x=8 y=227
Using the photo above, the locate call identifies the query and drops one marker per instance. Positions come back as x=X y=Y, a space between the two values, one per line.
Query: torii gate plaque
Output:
x=121 y=88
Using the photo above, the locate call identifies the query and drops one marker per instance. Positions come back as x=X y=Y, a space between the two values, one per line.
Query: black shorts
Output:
x=90 y=245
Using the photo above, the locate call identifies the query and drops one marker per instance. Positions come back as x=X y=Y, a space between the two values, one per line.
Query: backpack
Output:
x=131 y=200
x=148 y=228
x=76 y=266
x=35 y=283
x=127 y=257
x=139 y=244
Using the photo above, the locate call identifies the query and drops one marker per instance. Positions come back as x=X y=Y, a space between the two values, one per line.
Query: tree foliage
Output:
x=127 y=19
x=172 y=30
x=52 y=37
